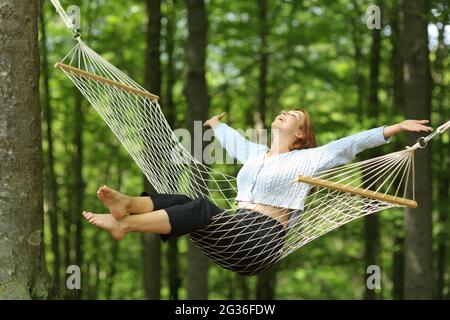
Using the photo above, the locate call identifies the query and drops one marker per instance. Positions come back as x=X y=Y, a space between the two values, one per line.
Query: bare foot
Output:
x=107 y=222
x=114 y=200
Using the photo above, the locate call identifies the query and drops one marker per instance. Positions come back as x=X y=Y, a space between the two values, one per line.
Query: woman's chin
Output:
x=276 y=125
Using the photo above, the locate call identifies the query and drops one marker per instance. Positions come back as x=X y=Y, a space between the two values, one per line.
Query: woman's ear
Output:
x=299 y=134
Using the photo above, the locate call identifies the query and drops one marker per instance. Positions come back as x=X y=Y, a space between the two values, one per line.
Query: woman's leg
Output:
x=169 y=222
x=152 y=222
x=120 y=204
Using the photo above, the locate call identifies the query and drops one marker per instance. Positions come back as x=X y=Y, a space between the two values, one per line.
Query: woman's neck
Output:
x=278 y=145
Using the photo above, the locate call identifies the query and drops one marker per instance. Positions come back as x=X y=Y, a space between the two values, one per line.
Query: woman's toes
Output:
x=89 y=217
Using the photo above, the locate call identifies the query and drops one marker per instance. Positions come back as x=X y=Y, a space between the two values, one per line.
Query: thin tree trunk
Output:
x=263 y=59
x=67 y=235
x=151 y=243
x=51 y=176
x=231 y=289
x=172 y=251
x=372 y=222
x=398 y=100
x=113 y=268
x=244 y=287
x=94 y=268
x=78 y=182
x=265 y=288
x=398 y=267
x=198 y=102
x=359 y=62
x=170 y=110
x=397 y=60
x=266 y=283
x=419 y=281
x=444 y=160
x=67 y=208
x=23 y=272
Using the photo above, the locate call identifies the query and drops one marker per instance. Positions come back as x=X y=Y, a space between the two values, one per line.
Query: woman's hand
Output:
x=415 y=125
x=407 y=125
x=214 y=121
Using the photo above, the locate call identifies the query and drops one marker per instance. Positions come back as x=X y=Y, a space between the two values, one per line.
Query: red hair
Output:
x=308 y=140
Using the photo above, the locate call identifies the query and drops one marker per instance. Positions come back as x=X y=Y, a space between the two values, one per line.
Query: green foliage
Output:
x=311 y=65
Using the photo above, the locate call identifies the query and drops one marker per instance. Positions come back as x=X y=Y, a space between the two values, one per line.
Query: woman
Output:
x=263 y=191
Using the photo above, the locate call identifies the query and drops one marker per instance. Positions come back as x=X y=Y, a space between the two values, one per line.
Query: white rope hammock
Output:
x=342 y=194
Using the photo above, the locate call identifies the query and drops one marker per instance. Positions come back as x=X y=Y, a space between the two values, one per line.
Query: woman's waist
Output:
x=278 y=213
x=281 y=198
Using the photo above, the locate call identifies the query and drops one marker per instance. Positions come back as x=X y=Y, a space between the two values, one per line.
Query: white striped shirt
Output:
x=271 y=180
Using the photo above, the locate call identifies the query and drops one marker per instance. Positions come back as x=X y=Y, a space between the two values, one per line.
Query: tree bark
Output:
x=170 y=113
x=170 y=110
x=151 y=243
x=359 y=62
x=23 y=272
x=418 y=226
x=398 y=100
x=51 y=176
x=372 y=222
x=263 y=59
x=198 y=103
x=444 y=160
x=265 y=287
x=78 y=186
x=266 y=283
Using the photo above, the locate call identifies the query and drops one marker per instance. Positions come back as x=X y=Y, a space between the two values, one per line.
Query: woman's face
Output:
x=288 y=121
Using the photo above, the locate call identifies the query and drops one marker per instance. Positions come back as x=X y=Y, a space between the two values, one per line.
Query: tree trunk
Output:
x=198 y=103
x=243 y=286
x=444 y=160
x=372 y=222
x=151 y=243
x=170 y=113
x=399 y=106
x=263 y=59
x=170 y=110
x=78 y=183
x=418 y=226
x=23 y=273
x=265 y=288
x=266 y=283
x=398 y=266
x=397 y=60
x=50 y=176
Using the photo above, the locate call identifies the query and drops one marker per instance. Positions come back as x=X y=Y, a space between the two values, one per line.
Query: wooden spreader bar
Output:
x=357 y=191
x=109 y=82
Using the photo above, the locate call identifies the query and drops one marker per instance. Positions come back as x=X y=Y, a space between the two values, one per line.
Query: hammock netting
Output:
x=138 y=122
x=340 y=194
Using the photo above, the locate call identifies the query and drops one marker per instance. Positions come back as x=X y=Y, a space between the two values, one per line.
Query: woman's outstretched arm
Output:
x=344 y=150
x=407 y=125
x=232 y=141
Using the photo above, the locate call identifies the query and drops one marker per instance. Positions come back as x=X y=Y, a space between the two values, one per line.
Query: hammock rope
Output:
x=342 y=194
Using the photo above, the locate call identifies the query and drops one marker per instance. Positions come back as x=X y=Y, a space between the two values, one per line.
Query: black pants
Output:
x=185 y=214
x=244 y=241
